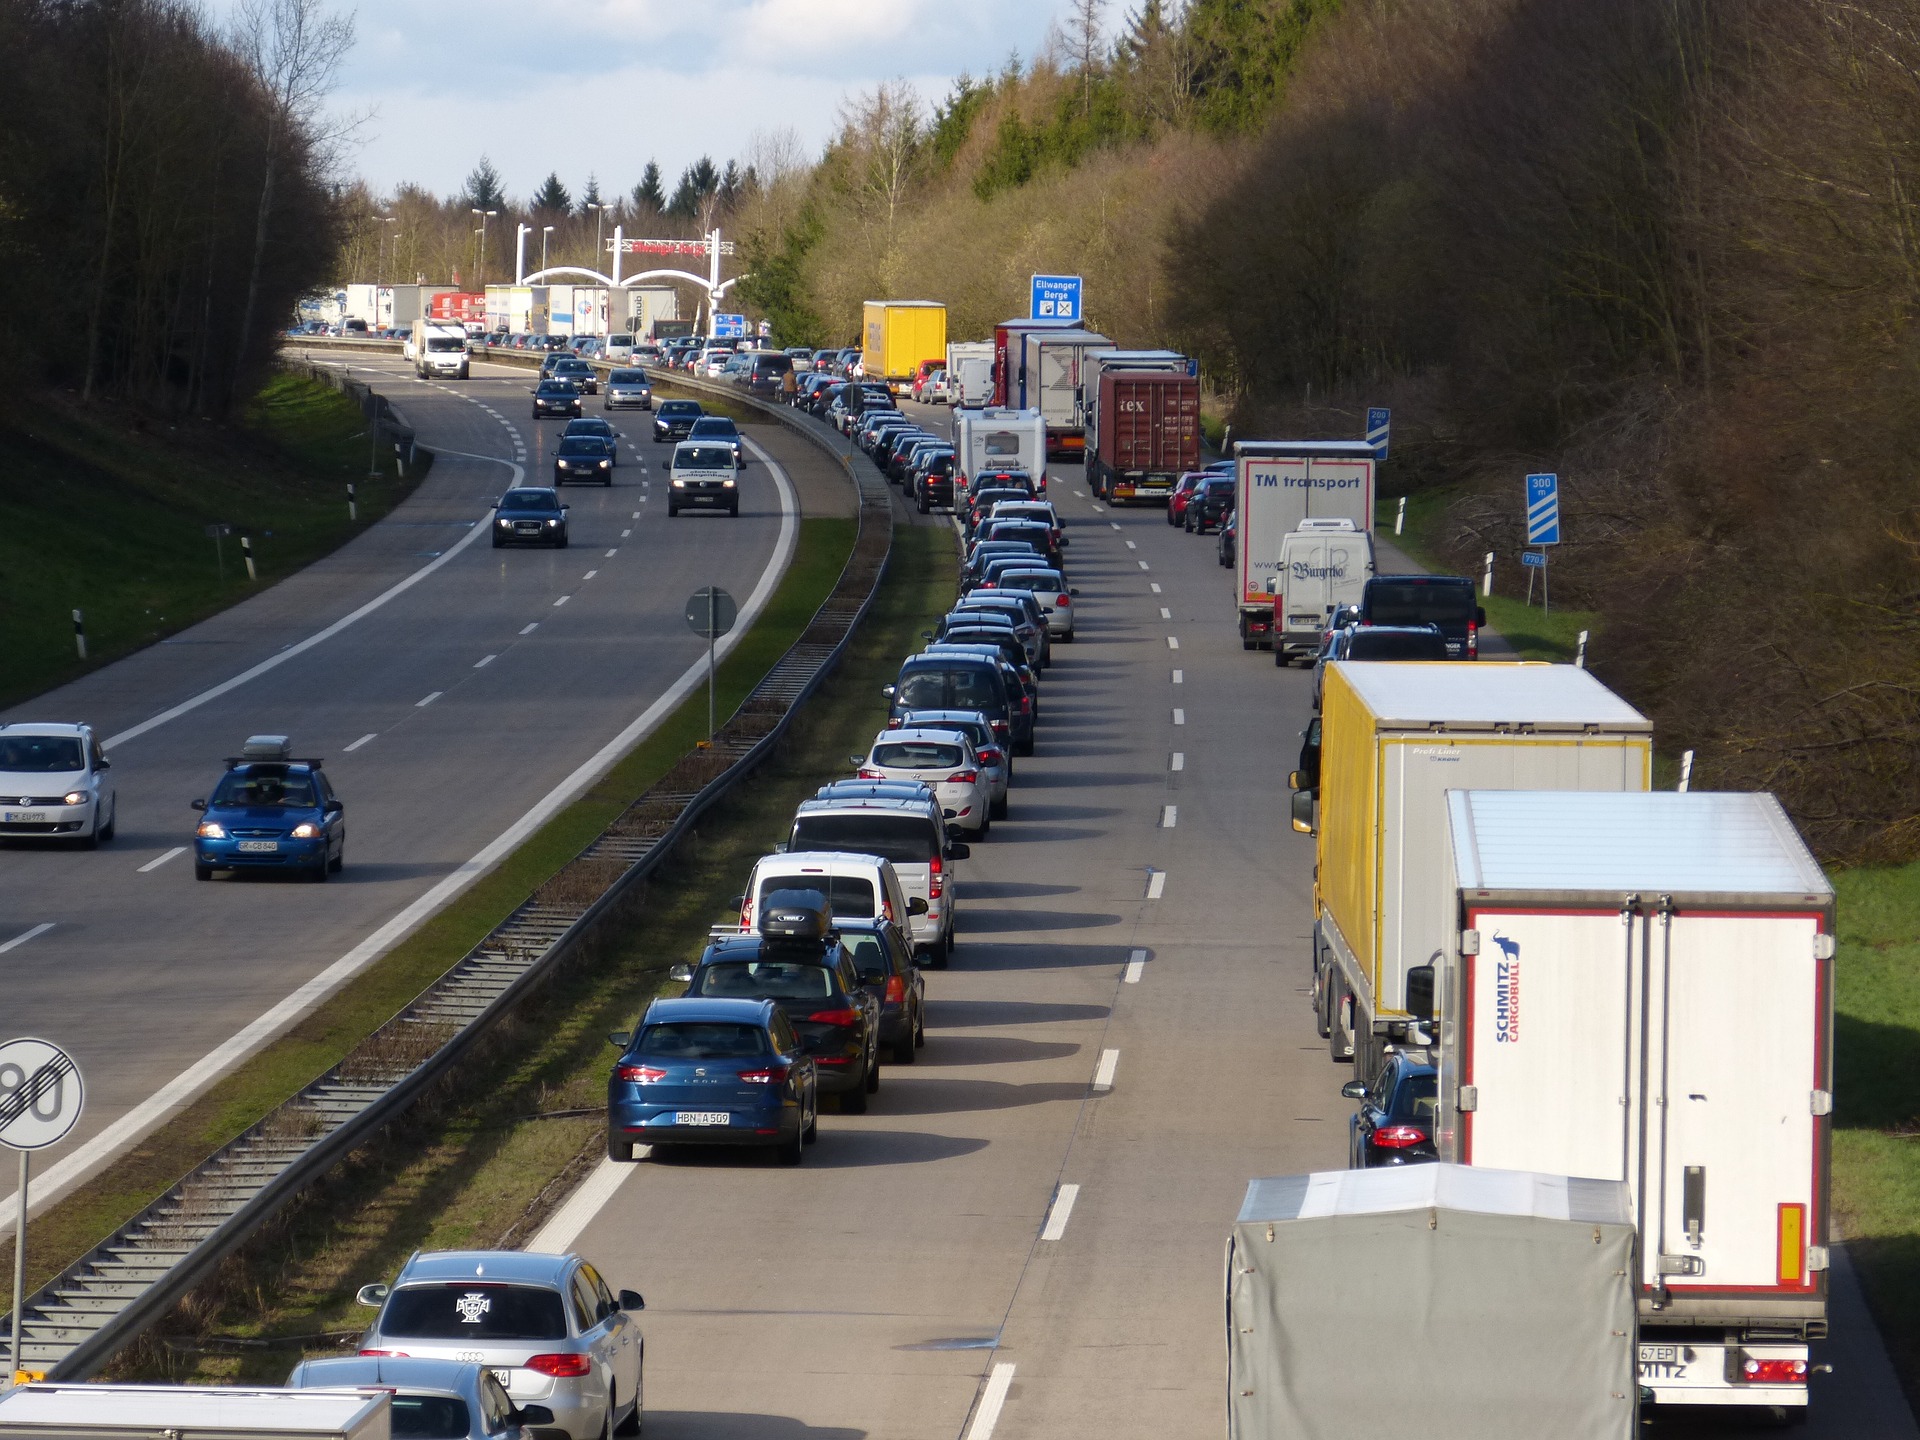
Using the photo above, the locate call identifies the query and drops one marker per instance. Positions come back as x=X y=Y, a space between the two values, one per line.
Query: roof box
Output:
x=267 y=747
x=795 y=915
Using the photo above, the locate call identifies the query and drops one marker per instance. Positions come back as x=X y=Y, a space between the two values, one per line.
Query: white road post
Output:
x=1686 y=771
x=80 y=633
x=19 y=1273
x=1486 y=586
x=1400 y=518
x=246 y=553
x=353 y=510
x=1580 y=655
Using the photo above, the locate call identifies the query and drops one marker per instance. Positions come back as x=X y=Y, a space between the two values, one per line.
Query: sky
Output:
x=602 y=86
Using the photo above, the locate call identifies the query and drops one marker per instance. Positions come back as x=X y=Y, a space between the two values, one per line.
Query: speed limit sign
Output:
x=41 y=1094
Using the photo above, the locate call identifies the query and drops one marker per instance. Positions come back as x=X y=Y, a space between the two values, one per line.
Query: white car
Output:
x=54 y=784
x=1050 y=588
x=993 y=756
x=712 y=362
x=939 y=758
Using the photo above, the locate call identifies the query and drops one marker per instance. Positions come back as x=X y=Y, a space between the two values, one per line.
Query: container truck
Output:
x=1049 y=379
x=193 y=1412
x=458 y=307
x=1395 y=736
x=897 y=335
x=1145 y=425
x=993 y=439
x=1279 y=483
x=1006 y=355
x=1639 y=988
x=1431 y=1301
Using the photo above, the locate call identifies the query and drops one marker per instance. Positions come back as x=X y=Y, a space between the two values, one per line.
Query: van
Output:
x=620 y=349
x=703 y=475
x=1324 y=564
x=910 y=832
x=858 y=885
x=761 y=372
x=1443 y=600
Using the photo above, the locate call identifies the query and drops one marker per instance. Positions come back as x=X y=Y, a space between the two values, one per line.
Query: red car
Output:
x=926 y=368
x=1183 y=491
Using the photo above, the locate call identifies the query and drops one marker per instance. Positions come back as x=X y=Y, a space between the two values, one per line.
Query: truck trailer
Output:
x=192 y=1412
x=1049 y=379
x=1143 y=423
x=1006 y=356
x=1639 y=988
x=1280 y=483
x=1395 y=736
x=897 y=335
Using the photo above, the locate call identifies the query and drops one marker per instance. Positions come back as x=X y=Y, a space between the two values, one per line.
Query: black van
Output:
x=1446 y=601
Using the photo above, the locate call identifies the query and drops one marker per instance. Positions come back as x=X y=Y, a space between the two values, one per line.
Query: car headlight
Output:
x=306 y=830
x=504 y=523
x=75 y=797
x=728 y=483
x=553 y=522
x=604 y=464
x=211 y=830
x=677 y=481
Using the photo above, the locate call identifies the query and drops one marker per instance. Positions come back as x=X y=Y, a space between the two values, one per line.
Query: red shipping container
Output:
x=1149 y=430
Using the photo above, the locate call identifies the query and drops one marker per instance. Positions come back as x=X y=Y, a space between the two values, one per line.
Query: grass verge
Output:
x=106 y=511
x=486 y=1164
x=318 y=1042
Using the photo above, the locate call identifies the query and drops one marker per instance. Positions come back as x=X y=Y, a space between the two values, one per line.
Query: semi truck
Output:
x=1145 y=429
x=1394 y=737
x=192 y=1412
x=897 y=335
x=1639 y=988
x=459 y=307
x=1279 y=483
x=1006 y=355
x=1050 y=378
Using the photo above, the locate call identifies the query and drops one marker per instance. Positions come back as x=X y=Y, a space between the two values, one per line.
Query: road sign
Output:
x=1055 y=297
x=1379 y=422
x=41 y=1094
x=711 y=612
x=1533 y=559
x=729 y=327
x=1543 y=509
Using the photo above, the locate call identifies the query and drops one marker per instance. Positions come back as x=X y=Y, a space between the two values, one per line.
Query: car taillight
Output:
x=896 y=990
x=638 y=1074
x=1398 y=1137
x=561 y=1367
x=771 y=1075
x=1001 y=728
x=1773 y=1372
x=936 y=878
x=835 y=1017
x=990 y=754
x=866 y=774
x=397 y=1353
x=1473 y=641
x=1026 y=704
x=1061 y=602
x=964 y=777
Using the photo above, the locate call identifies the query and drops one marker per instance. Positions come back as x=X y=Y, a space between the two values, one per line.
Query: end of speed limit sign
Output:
x=41 y=1094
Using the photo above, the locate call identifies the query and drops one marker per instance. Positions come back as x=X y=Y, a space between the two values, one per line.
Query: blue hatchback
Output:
x=712 y=1072
x=278 y=814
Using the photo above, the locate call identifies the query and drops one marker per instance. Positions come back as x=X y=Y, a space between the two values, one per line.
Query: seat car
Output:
x=583 y=458
x=54 y=784
x=628 y=389
x=1378 y=642
x=995 y=763
x=546 y=1325
x=726 y=1071
x=719 y=430
x=270 y=812
x=939 y=758
x=571 y=367
x=674 y=419
x=906 y=824
x=556 y=397
x=432 y=1399
x=530 y=515
x=1394 y=1124
x=704 y=475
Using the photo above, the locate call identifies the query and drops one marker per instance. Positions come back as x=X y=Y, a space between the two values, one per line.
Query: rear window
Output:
x=846 y=894
x=430 y=1417
x=764 y=980
x=1045 y=582
x=1414 y=603
x=1418 y=1098
x=474 y=1311
x=701 y=1040
x=1001 y=442
x=868 y=954
x=916 y=755
x=972 y=729
x=901 y=838
x=963 y=687
x=1374 y=645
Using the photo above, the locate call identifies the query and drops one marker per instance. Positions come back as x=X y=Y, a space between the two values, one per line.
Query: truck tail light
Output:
x=1398 y=1137
x=1754 y=1371
x=639 y=1074
x=1473 y=641
x=964 y=777
x=561 y=1367
x=769 y=1075
x=835 y=1017
x=896 y=990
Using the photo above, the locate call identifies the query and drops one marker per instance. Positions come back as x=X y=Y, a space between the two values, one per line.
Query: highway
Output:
x=460 y=693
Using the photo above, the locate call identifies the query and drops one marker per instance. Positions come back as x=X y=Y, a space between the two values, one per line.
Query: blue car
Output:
x=712 y=1072
x=271 y=812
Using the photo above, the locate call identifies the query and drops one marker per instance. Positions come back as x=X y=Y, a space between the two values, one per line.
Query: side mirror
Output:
x=856 y=760
x=1073 y=589
x=199 y=805
x=374 y=1295
x=1479 y=616
x=916 y=906
x=335 y=807
x=926 y=634
x=949 y=814
x=780 y=847
x=1354 y=1089
x=534 y=1415
x=959 y=850
x=1420 y=981
x=1303 y=811
x=681 y=973
x=630 y=1300
x=104 y=764
x=620 y=1039
x=888 y=691
x=1064 y=542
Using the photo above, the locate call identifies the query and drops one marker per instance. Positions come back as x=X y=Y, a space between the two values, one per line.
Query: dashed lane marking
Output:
x=1179 y=760
x=529 y=629
x=161 y=859
x=371 y=734
x=422 y=704
x=1109 y=1062
x=1169 y=816
x=484 y=661
x=1179 y=717
x=26 y=935
x=1056 y=1227
x=1136 y=963
x=1156 y=884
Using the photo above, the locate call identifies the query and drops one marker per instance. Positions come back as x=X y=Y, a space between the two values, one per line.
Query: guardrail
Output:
x=97 y=1306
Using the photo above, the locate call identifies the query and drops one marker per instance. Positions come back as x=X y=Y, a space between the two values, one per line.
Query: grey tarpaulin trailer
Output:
x=1431 y=1300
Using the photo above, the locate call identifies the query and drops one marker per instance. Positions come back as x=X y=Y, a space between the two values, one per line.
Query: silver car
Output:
x=54 y=784
x=546 y=1325
x=629 y=387
x=432 y=1399
x=994 y=760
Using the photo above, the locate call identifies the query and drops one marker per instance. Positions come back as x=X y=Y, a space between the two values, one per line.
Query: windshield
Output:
x=678 y=408
x=430 y=1417
x=1386 y=645
x=701 y=1040
x=703 y=457
x=764 y=980
x=583 y=445
x=869 y=955
x=474 y=1311
x=1045 y=581
x=437 y=345
x=272 y=790
x=41 y=754
x=902 y=838
x=556 y=387
x=529 y=500
x=969 y=687
x=628 y=377
x=1415 y=603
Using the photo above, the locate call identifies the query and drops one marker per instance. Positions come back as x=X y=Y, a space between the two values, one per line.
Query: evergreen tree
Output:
x=591 y=195
x=552 y=197
x=698 y=183
x=732 y=184
x=483 y=189
x=648 y=195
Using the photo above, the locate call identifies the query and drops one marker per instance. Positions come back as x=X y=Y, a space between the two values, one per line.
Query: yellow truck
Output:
x=1392 y=738
x=898 y=336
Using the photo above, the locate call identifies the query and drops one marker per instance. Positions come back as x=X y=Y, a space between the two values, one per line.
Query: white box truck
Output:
x=1050 y=379
x=1431 y=1301
x=970 y=373
x=1279 y=484
x=993 y=439
x=438 y=347
x=1323 y=564
x=192 y=1412
x=1639 y=987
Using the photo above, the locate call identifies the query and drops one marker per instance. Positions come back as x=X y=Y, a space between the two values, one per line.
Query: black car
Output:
x=593 y=425
x=556 y=397
x=1229 y=539
x=1444 y=600
x=933 y=480
x=1036 y=533
x=954 y=682
x=571 y=367
x=981 y=503
x=963 y=629
x=885 y=965
x=673 y=419
x=1394 y=1125
x=530 y=515
x=1017 y=482
x=583 y=458
x=719 y=430
x=1210 y=505
x=1019 y=681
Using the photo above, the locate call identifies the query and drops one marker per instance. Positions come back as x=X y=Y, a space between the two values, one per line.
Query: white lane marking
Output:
x=1136 y=963
x=1154 y=586
x=625 y=533
x=556 y=1237
x=1081 y=493
x=1179 y=677
x=26 y=935
x=1169 y=816
x=636 y=514
x=159 y=860
x=561 y=601
x=1173 y=642
x=611 y=553
x=484 y=661
x=986 y=1414
x=1143 y=565
x=1165 y=613
x=1179 y=760
x=1099 y=509
x=116 y=1139
x=422 y=704
x=643 y=500
x=590 y=574
x=1179 y=717
x=1103 y=1077
x=1156 y=884
x=529 y=629
x=361 y=741
x=1056 y=1227
x=1114 y=523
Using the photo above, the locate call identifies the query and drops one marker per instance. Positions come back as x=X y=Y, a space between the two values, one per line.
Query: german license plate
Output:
x=257 y=847
x=26 y=817
x=702 y=1117
x=1661 y=1353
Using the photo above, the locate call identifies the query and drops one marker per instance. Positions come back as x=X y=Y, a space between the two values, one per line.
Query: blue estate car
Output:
x=271 y=812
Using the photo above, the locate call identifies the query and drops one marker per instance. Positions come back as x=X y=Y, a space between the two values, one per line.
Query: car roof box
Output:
x=795 y=915
x=267 y=747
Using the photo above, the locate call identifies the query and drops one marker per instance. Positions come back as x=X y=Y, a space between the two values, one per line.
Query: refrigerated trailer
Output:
x=193 y=1412
x=1278 y=484
x=1639 y=987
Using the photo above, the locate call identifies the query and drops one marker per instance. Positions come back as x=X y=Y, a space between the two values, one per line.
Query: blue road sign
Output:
x=1055 y=297
x=729 y=327
x=1379 y=422
x=1534 y=559
x=1543 y=509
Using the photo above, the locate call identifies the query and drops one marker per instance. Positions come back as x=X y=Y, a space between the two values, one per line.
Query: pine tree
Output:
x=591 y=195
x=732 y=184
x=552 y=197
x=484 y=190
x=698 y=183
x=648 y=195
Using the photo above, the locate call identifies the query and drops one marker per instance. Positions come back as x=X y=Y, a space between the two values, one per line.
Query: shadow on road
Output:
x=927 y=1096
x=1000 y=922
x=732 y=1425
x=980 y=1014
x=943 y=1049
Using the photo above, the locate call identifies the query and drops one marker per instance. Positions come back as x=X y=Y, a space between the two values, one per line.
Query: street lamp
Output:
x=380 y=251
x=599 y=220
x=485 y=215
x=545 y=231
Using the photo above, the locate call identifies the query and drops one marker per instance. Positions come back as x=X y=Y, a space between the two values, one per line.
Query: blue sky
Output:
x=604 y=85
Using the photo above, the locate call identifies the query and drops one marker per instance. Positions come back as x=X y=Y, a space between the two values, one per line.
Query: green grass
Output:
x=105 y=511
x=484 y=1167
x=320 y=1041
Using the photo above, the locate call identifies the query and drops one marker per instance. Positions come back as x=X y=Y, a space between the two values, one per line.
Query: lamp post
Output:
x=599 y=222
x=380 y=262
x=485 y=215
x=545 y=231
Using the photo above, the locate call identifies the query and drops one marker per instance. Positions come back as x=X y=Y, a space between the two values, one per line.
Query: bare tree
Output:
x=1086 y=43
x=880 y=142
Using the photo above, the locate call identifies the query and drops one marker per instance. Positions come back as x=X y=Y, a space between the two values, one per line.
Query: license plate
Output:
x=702 y=1117
x=26 y=817
x=257 y=847
x=1665 y=1353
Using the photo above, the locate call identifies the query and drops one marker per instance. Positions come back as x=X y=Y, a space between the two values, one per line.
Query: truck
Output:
x=1324 y=564
x=1049 y=379
x=996 y=439
x=42 y=1411
x=970 y=373
x=1395 y=736
x=438 y=347
x=458 y=307
x=1431 y=1300
x=1279 y=483
x=1638 y=988
x=897 y=335
x=1006 y=355
x=1145 y=428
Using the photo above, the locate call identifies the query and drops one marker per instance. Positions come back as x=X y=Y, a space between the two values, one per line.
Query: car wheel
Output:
x=562 y=542
x=998 y=809
x=620 y=1151
x=920 y=1029
x=498 y=544
x=921 y=503
x=91 y=840
x=113 y=819
x=873 y=1069
x=318 y=875
x=608 y=482
x=942 y=954
x=1024 y=747
x=812 y=1131
x=985 y=825
x=672 y=509
x=734 y=510
x=903 y=1048
x=340 y=860
x=630 y=1422
x=202 y=872
x=854 y=1102
x=791 y=1152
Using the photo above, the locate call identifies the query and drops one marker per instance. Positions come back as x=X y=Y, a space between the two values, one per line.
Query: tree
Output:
x=484 y=190
x=698 y=184
x=590 y=197
x=552 y=197
x=732 y=184
x=1086 y=43
x=648 y=195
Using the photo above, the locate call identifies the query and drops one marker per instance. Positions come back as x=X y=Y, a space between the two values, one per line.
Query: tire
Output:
x=339 y=861
x=902 y=1053
x=734 y=510
x=91 y=840
x=202 y=872
x=608 y=482
x=873 y=1070
x=854 y=1102
x=920 y=1031
x=941 y=956
x=562 y=543
x=998 y=808
x=921 y=505
x=1336 y=1044
x=811 y=1132
x=672 y=509
x=1024 y=747
x=498 y=544
x=630 y=1423
x=792 y=1152
x=320 y=872
x=113 y=821
x=620 y=1151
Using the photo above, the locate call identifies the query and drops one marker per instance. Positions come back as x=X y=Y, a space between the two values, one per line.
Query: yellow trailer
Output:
x=1395 y=737
x=898 y=335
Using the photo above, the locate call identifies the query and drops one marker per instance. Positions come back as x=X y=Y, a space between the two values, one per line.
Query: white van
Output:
x=439 y=348
x=861 y=886
x=1323 y=564
x=911 y=833
x=704 y=474
x=1000 y=440
x=619 y=349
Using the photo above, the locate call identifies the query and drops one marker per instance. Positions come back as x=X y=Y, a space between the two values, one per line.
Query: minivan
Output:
x=911 y=834
x=1443 y=600
x=955 y=682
